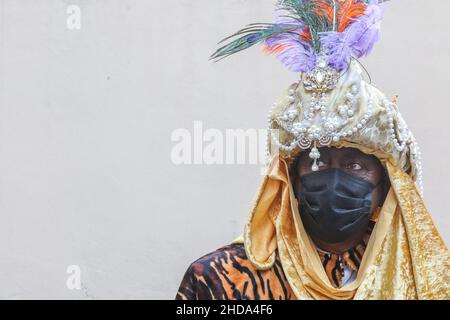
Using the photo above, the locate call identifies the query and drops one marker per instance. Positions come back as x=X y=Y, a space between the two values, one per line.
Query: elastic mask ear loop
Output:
x=376 y=215
x=377 y=212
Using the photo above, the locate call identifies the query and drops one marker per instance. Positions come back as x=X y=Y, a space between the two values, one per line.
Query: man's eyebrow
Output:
x=350 y=154
x=354 y=153
x=357 y=156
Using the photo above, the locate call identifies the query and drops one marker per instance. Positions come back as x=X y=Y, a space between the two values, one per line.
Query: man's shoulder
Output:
x=232 y=254
x=213 y=276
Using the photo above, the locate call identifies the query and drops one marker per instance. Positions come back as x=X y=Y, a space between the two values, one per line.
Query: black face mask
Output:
x=334 y=205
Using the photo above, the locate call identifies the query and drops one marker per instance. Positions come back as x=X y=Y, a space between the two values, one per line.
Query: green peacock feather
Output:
x=249 y=36
x=305 y=12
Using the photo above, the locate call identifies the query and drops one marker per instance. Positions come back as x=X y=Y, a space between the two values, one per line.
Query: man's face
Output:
x=353 y=162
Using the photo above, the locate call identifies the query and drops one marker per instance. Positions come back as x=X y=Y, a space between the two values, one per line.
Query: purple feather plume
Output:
x=296 y=54
x=357 y=40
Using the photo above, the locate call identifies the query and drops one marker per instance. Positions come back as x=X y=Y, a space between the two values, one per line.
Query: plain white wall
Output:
x=86 y=118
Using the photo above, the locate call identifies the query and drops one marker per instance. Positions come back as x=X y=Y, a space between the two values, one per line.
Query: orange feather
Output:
x=274 y=50
x=347 y=13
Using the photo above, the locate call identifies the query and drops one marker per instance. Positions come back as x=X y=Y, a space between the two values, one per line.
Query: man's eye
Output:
x=354 y=166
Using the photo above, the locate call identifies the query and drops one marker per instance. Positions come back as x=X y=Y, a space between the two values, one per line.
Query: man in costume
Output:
x=339 y=214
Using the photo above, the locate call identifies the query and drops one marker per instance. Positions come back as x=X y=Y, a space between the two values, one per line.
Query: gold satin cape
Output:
x=405 y=258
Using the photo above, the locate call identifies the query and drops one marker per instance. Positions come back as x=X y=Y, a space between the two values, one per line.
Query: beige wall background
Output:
x=86 y=118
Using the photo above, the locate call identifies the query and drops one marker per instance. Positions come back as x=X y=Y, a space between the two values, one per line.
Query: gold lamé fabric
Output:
x=405 y=257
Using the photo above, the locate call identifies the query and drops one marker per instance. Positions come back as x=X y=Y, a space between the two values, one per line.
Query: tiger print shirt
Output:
x=227 y=274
